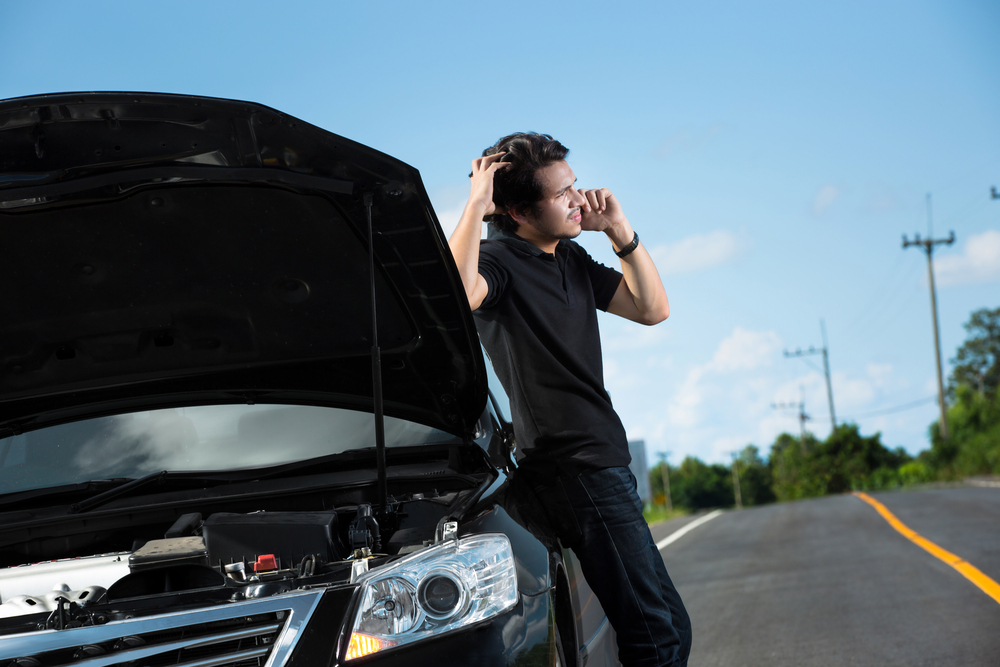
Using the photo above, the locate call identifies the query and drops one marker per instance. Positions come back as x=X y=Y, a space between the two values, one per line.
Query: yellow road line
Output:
x=966 y=569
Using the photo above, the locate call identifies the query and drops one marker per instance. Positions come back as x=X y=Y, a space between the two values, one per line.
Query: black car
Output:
x=207 y=458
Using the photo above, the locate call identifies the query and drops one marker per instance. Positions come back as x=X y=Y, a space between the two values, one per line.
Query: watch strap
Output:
x=624 y=252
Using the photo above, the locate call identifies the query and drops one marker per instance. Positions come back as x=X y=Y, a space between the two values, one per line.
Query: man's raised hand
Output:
x=483 y=169
x=600 y=210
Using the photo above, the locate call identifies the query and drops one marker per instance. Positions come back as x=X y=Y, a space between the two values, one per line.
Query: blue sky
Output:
x=769 y=154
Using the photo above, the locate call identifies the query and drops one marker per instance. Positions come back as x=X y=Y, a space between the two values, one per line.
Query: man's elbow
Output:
x=655 y=316
x=477 y=293
x=474 y=302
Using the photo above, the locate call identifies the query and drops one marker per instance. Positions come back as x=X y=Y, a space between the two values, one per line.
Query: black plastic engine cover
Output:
x=290 y=536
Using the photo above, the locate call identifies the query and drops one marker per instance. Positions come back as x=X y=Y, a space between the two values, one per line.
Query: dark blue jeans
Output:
x=599 y=516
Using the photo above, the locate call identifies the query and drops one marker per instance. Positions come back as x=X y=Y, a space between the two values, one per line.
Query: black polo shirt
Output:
x=538 y=324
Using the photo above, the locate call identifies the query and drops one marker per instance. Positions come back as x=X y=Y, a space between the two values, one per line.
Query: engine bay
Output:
x=221 y=556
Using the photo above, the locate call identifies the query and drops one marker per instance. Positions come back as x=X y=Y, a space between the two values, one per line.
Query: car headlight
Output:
x=436 y=590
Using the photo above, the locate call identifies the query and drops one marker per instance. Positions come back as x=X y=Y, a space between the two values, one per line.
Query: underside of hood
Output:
x=165 y=247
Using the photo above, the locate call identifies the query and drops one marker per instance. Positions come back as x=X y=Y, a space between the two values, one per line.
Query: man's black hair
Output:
x=517 y=187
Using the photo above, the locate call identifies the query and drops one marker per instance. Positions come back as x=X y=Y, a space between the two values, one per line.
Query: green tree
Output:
x=974 y=444
x=859 y=462
x=974 y=414
x=844 y=461
x=755 y=477
x=977 y=362
x=795 y=472
x=697 y=485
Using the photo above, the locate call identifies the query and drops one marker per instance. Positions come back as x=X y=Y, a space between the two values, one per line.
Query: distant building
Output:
x=637 y=448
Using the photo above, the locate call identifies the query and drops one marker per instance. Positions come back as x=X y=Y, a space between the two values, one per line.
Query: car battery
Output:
x=290 y=536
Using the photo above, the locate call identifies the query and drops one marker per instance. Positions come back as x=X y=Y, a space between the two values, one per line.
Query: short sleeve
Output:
x=603 y=279
x=493 y=271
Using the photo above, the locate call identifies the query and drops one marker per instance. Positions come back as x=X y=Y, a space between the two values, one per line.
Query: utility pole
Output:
x=665 y=473
x=825 y=351
x=736 y=483
x=928 y=247
x=803 y=417
x=826 y=369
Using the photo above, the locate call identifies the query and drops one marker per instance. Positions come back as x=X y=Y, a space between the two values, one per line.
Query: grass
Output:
x=658 y=513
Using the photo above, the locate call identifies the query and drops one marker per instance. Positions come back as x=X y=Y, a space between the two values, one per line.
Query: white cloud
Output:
x=805 y=387
x=722 y=447
x=851 y=393
x=697 y=252
x=745 y=350
x=631 y=338
x=742 y=350
x=728 y=401
x=825 y=198
x=879 y=373
x=683 y=409
x=978 y=262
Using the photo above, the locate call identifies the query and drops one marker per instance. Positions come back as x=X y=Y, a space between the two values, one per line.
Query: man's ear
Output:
x=519 y=215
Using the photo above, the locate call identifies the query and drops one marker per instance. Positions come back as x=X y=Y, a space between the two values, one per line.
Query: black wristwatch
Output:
x=624 y=252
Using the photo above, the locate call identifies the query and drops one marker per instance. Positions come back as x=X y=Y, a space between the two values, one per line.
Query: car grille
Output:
x=256 y=633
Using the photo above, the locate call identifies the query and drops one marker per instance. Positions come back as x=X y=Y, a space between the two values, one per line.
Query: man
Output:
x=535 y=293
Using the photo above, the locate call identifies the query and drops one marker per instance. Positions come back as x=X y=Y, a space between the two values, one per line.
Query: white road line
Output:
x=980 y=482
x=676 y=535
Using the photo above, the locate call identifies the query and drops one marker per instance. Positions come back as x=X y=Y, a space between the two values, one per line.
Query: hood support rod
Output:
x=383 y=491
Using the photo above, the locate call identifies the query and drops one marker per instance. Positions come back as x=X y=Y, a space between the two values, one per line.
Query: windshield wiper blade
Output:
x=111 y=494
x=17 y=497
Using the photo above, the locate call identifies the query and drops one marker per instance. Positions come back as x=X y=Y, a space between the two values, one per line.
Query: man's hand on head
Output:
x=481 y=187
x=602 y=212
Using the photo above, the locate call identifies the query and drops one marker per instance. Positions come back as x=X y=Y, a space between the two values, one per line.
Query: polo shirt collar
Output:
x=513 y=240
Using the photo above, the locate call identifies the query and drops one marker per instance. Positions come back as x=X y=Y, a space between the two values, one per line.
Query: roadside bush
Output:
x=916 y=472
x=697 y=485
x=755 y=477
x=974 y=427
x=882 y=478
x=847 y=460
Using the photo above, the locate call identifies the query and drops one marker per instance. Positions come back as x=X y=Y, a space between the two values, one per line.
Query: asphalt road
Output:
x=830 y=582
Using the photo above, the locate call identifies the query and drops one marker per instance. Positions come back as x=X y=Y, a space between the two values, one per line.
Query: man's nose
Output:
x=575 y=198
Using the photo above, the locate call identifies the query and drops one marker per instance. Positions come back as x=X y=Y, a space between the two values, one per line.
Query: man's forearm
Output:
x=641 y=277
x=464 y=244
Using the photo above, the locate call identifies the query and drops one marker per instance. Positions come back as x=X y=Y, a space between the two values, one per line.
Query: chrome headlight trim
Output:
x=391 y=613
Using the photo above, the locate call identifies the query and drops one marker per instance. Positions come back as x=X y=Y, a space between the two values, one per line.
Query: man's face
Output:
x=557 y=215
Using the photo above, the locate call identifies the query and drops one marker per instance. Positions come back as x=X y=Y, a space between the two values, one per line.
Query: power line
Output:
x=873 y=300
x=889 y=411
x=928 y=247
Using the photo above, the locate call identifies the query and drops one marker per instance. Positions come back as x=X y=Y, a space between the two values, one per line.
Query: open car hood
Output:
x=171 y=248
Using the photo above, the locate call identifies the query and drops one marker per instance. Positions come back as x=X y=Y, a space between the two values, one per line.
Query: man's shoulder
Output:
x=495 y=250
x=492 y=245
x=505 y=250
